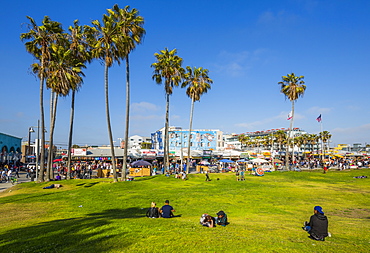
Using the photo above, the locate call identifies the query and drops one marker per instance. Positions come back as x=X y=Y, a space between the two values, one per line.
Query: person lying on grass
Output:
x=318 y=225
x=207 y=220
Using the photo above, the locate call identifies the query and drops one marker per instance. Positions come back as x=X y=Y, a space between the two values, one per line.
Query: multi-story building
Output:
x=11 y=149
x=200 y=139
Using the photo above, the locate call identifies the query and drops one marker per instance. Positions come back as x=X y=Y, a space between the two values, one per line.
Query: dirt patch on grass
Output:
x=356 y=213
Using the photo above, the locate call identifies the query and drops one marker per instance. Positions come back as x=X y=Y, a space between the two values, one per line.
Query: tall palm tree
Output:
x=197 y=82
x=131 y=25
x=80 y=52
x=107 y=47
x=292 y=87
x=168 y=69
x=39 y=39
x=64 y=74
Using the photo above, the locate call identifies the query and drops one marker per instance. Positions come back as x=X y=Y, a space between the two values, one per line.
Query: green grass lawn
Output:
x=265 y=214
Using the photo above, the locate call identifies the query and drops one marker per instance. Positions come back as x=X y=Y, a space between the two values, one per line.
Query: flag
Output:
x=290 y=116
x=319 y=118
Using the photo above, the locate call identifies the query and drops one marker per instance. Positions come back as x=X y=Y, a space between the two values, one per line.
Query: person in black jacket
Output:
x=318 y=225
x=153 y=211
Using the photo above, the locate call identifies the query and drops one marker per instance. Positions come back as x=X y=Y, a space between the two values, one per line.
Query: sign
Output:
x=78 y=151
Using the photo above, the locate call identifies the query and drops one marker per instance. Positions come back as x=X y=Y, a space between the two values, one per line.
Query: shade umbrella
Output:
x=259 y=160
x=140 y=163
x=204 y=162
x=226 y=161
x=57 y=160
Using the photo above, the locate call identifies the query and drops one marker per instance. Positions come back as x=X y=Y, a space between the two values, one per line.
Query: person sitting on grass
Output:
x=207 y=221
x=318 y=225
x=167 y=210
x=221 y=219
x=153 y=211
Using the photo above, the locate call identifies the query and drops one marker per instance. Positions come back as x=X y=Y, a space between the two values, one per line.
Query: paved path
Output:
x=22 y=178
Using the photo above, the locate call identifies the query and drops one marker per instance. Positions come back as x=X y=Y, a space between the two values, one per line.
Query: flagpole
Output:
x=322 y=145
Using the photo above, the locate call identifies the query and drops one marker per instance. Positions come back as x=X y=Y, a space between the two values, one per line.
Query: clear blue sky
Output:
x=246 y=45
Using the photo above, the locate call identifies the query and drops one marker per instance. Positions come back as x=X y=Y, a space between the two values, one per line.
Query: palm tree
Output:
x=39 y=39
x=305 y=140
x=107 y=46
x=325 y=137
x=298 y=140
x=198 y=83
x=244 y=140
x=280 y=136
x=80 y=52
x=131 y=25
x=64 y=74
x=313 y=140
x=167 y=67
x=292 y=87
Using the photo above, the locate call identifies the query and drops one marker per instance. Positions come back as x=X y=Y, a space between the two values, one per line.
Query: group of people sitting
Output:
x=317 y=227
x=211 y=222
x=165 y=211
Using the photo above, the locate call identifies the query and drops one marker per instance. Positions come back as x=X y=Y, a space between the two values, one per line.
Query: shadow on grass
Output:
x=25 y=198
x=87 y=185
x=92 y=233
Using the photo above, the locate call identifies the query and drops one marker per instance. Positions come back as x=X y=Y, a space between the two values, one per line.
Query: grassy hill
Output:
x=265 y=213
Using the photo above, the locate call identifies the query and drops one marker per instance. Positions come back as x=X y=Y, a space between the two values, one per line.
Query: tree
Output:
x=313 y=140
x=39 y=39
x=168 y=69
x=64 y=74
x=80 y=52
x=280 y=137
x=107 y=46
x=305 y=140
x=325 y=137
x=292 y=87
x=131 y=26
x=197 y=82
x=244 y=140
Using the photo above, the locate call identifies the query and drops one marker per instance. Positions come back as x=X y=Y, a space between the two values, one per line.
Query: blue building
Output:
x=10 y=148
x=200 y=139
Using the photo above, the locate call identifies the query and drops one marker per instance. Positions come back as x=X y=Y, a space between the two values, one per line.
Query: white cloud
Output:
x=278 y=18
x=238 y=63
x=258 y=125
x=147 y=118
x=144 y=107
x=351 y=134
x=318 y=110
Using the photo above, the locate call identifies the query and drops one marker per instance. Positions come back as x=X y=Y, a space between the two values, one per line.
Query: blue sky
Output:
x=246 y=45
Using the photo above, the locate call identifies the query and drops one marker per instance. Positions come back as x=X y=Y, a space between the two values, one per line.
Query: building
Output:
x=200 y=139
x=11 y=148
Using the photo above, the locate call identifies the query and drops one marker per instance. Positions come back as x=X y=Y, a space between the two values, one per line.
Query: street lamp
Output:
x=37 y=146
x=28 y=153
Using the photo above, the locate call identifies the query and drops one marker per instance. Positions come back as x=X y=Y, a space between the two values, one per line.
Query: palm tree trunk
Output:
x=165 y=148
x=124 y=163
x=42 y=116
x=190 y=126
x=290 y=138
x=50 y=174
x=70 y=134
x=108 y=123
